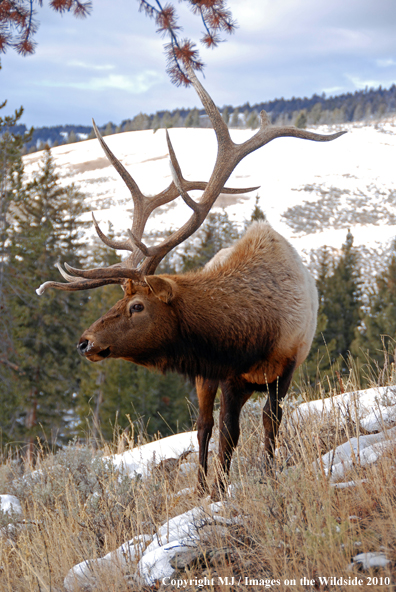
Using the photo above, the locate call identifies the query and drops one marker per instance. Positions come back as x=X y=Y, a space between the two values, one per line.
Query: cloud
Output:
x=333 y=90
x=85 y=65
x=386 y=62
x=138 y=84
x=361 y=83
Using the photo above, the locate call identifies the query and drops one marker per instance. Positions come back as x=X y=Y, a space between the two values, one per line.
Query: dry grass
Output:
x=294 y=525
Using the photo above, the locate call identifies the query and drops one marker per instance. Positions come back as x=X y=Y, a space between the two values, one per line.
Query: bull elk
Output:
x=244 y=322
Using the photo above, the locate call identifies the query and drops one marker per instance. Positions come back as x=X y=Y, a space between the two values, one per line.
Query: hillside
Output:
x=312 y=193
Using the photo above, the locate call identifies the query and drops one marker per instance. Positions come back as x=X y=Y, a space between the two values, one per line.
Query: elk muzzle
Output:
x=87 y=348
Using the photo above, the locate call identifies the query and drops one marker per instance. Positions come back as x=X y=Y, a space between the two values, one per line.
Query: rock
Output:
x=219 y=556
x=185 y=558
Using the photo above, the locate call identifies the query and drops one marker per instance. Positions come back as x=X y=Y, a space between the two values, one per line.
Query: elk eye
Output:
x=136 y=307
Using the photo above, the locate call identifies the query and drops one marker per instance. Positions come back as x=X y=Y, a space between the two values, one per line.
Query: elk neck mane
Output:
x=225 y=311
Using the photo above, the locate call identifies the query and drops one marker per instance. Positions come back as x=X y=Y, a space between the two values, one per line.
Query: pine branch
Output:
x=182 y=54
x=18 y=23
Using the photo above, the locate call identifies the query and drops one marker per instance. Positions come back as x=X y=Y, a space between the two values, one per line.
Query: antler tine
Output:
x=69 y=278
x=177 y=174
x=138 y=243
x=114 y=271
x=266 y=133
x=178 y=177
x=172 y=155
x=75 y=286
x=219 y=125
x=173 y=191
x=188 y=200
x=114 y=244
x=137 y=195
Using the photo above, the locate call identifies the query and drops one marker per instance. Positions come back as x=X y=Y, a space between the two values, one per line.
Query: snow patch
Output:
x=373 y=409
x=142 y=459
x=9 y=504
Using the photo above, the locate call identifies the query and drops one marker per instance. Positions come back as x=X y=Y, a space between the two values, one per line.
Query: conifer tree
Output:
x=226 y=115
x=322 y=352
x=139 y=122
x=341 y=301
x=44 y=231
x=377 y=336
x=301 y=119
x=11 y=145
x=235 y=118
x=166 y=120
x=176 y=119
x=257 y=214
x=72 y=138
x=216 y=233
x=109 y=129
x=156 y=122
x=192 y=119
x=253 y=120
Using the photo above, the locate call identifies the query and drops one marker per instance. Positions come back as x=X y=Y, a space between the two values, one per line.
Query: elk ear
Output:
x=128 y=288
x=164 y=289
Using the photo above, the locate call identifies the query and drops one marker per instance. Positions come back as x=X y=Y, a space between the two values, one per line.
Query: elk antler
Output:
x=144 y=260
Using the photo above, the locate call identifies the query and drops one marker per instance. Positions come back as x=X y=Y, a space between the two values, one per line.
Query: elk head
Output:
x=136 y=320
x=147 y=297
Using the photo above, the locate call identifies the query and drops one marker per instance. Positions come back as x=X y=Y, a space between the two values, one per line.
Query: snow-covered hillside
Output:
x=311 y=192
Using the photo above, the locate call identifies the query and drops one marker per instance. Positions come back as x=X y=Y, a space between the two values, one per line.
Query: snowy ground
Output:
x=311 y=192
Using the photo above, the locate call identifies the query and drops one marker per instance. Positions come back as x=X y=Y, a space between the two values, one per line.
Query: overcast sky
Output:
x=111 y=66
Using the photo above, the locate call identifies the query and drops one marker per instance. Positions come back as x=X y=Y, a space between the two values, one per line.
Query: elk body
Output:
x=244 y=322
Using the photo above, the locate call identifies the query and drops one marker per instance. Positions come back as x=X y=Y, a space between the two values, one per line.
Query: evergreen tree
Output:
x=253 y=121
x=322 y=352
x=316 y=113
x=44 y=230
x=139 y=122
x=235 y=118
x=116 y=392
x=216 y=233
x=341 y=301
x=166 y=120
x=301 y=120
x=257 y=214
x=375 y=342
x=176 y=119
x=226 y=115
x=109 y=129
x=72 y=138
x=11 y=146
x=192 y=119
x=156 y=122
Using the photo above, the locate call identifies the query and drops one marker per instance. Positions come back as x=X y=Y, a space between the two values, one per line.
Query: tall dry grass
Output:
x=292 y=523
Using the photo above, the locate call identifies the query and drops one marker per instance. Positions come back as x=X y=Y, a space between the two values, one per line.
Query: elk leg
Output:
x=206 y=391
x=272 y=412
x=234 y=395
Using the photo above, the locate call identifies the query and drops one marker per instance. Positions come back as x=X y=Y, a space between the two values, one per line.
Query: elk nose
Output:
x=83 y=347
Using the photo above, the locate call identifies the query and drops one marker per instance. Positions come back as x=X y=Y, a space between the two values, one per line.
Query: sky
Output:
x=111 y=66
